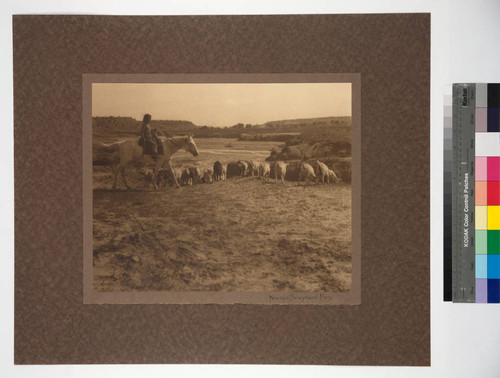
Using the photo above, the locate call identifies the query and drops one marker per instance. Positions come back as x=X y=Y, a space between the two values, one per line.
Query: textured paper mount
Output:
x=223 y=297
x=390 y=326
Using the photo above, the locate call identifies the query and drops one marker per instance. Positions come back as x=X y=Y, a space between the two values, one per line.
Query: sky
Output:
x=215 y=104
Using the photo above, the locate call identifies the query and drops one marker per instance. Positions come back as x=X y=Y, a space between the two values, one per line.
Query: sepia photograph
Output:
x=221 y=192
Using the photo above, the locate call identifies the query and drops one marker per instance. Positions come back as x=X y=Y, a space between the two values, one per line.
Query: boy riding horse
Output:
x=150 y=142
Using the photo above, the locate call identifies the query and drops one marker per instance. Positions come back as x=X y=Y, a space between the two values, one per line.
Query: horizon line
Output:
x=244 y=123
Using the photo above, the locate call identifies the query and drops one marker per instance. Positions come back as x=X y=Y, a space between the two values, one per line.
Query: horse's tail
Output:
x=105 y=154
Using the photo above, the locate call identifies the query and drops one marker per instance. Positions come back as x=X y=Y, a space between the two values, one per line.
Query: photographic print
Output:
x=222 y=191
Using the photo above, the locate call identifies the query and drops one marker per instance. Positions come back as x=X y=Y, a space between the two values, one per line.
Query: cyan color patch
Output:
x=481 y=266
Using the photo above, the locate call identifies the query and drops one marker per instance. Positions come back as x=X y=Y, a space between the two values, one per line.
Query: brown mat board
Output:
x=391 y=326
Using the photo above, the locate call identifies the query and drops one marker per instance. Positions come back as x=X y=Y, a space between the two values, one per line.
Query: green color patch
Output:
x=493 y=242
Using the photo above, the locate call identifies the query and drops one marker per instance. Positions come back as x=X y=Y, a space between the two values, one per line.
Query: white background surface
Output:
x=465 y=47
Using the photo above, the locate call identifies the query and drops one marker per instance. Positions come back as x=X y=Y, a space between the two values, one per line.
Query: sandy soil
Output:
x=241 y=234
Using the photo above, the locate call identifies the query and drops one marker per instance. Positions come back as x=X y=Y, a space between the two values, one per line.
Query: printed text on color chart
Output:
x=466 y=210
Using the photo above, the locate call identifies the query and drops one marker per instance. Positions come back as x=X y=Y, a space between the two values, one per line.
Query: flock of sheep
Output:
x=192 y=175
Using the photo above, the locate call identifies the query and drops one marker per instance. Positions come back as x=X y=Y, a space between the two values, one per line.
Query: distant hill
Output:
x=114 y=123
x=273 y=130
x=129 y=125
x=322 y=138
x=308 y=121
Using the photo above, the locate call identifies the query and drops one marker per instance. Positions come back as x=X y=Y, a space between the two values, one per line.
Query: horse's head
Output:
x=190 y=146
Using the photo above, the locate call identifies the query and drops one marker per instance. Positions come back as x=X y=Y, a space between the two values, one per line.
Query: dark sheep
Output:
x=217 y=171
x=233 y=169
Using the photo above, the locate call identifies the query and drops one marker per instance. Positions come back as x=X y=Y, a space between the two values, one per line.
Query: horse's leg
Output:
x=116 y=171
x=155 y=176
x=124 y=177
x=156 y=172
x=159 y=177
x=171 y=169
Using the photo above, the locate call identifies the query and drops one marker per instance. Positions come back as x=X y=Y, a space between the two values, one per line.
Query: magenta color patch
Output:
x=481 y=120
x=481 y=169
x=481 y=291
x=493 y=168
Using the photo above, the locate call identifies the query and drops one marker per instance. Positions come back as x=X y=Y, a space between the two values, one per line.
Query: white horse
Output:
x=129 y=152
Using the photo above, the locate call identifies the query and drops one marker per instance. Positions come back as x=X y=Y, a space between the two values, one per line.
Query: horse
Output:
x=129 y=152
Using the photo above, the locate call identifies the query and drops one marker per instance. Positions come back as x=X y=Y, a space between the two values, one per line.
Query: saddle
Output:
x=152 y=146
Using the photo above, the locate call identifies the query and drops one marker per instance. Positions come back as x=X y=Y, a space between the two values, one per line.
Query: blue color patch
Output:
x=481 y=266
x=494 y=291
x=494 y=266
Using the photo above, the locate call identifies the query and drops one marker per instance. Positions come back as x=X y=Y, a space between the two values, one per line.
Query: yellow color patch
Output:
x=493 y=217
x=481 y=218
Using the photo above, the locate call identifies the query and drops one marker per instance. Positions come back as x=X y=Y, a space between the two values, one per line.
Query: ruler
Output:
x=463 y=188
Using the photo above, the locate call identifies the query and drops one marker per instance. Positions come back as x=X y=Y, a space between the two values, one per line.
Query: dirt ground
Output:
x=241 y=234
